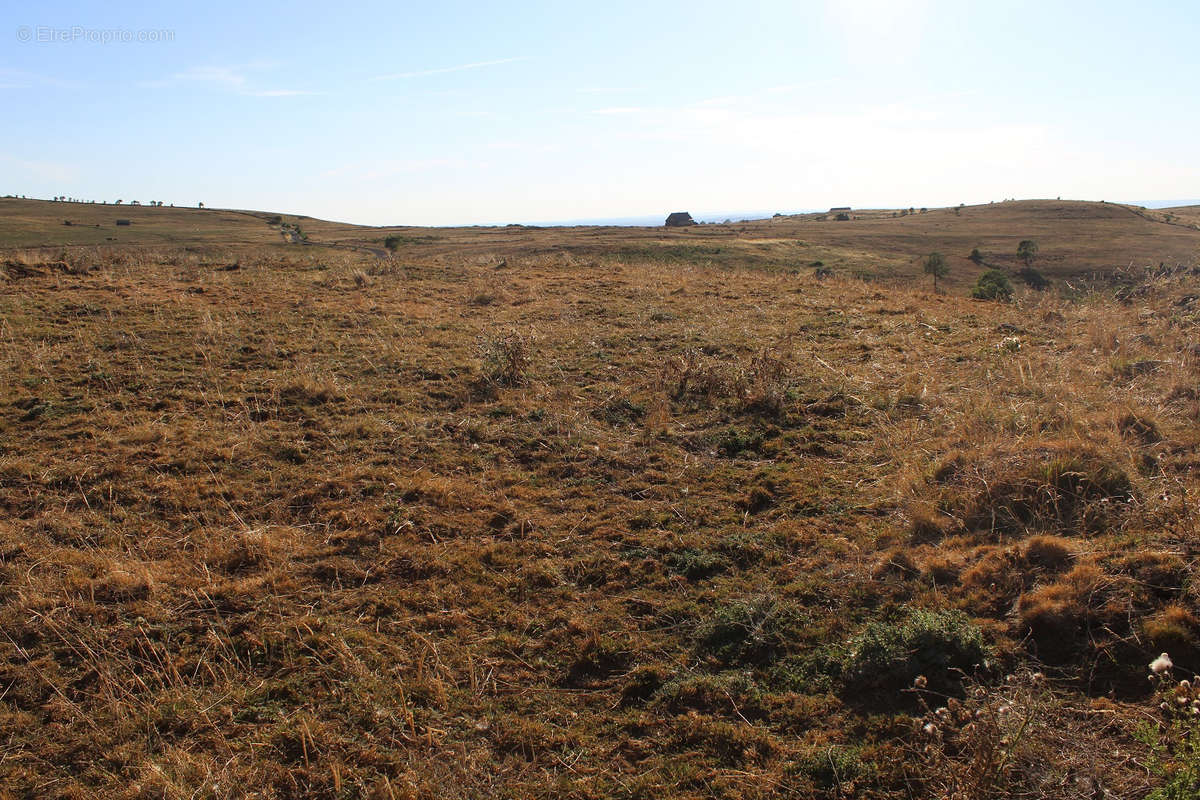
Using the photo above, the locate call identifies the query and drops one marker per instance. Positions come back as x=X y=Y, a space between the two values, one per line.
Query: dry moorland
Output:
x=1076 y=239
x=600 y=513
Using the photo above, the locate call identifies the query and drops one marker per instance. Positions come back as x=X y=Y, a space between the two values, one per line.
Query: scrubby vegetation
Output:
x=303 y=522
x=992 y=285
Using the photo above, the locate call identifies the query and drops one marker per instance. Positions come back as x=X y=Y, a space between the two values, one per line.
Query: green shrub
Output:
x=1174 y=741
x=992 y=285
x=814 y=671
x=696 y=564
x=831 y=767
x=734 y=441
x=754 y=631
x=723 y=692
x=891 y=653
x=1178 y=767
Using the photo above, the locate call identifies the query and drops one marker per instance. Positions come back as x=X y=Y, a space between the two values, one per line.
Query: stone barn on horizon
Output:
x=679 y=219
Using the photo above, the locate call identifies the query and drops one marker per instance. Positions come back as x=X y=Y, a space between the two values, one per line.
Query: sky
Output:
x=492 y=113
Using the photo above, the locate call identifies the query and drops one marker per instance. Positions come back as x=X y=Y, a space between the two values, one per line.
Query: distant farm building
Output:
x=680 y=219
x=836 y=209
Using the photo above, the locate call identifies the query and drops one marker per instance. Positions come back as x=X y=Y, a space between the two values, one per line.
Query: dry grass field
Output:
x=593 y=513
x=39 y=223
x=1075 y=240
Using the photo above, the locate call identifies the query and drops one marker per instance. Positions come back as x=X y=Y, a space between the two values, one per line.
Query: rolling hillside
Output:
x=597 y=512
x=1075 y=238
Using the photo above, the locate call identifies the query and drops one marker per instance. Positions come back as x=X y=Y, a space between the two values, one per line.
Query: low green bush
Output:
x=891 y=653
x=992 y=285
x=750 y=632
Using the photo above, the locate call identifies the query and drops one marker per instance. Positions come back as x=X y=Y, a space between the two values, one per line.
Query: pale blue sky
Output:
x=472 y=112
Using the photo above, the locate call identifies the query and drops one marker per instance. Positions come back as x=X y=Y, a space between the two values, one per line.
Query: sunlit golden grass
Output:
x=302 y=522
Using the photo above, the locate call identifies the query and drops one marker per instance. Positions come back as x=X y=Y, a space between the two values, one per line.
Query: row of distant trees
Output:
x=153 y=203
x=993 y=284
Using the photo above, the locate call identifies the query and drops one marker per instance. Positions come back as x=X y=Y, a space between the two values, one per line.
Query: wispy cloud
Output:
x=619 y=110
x=788 y=88
x=279 y=93
x=442 y=70
x=232 y=78
x=20 y=79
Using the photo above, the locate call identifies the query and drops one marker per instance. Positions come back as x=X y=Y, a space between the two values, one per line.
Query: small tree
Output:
x=1027 y=251
x=992 y=285
x=935 y=265
x=976 y=256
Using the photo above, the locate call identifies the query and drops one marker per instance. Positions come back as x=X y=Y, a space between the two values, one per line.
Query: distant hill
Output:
x=1074 y=238
x=37 y=223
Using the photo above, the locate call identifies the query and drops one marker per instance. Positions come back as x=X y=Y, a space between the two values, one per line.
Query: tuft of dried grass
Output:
x=1051 y=553
x=508 y=356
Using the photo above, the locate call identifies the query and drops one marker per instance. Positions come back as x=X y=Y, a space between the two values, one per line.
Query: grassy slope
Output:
x=1075 y=238
x=273 y=530
x=1188 y=215
x=39 y=223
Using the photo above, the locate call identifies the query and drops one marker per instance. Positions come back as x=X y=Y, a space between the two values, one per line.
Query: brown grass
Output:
x=1079 y=243
x=273 y=530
